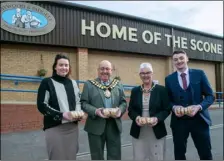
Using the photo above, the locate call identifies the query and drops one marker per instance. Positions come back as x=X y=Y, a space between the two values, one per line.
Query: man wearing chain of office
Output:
x=103 y=99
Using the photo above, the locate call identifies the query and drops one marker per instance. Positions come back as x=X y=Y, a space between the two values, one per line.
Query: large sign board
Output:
x=26 y=19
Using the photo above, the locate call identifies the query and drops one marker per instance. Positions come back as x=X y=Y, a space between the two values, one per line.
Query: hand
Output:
x=154 y=121
x=99 y=113
x=79 y=118
x=77 y=115
x=118 y=113
x=176 y=111
x=137 y=121
x=195 y=109
x=68 y=116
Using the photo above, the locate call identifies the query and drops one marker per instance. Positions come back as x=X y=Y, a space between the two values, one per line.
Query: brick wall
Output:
x=209 y=69
x=24 y=117
x=20 y=59
x=127 y=65
x=26 y=60
x=19 y=117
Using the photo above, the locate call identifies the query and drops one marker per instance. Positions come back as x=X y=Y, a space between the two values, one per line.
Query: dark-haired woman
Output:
x=57 y=97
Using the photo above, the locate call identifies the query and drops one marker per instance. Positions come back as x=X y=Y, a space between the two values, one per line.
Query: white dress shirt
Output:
x=180 y=78
x=181 y=82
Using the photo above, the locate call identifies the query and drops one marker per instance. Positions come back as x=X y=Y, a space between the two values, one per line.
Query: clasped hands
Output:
x=192 y=112
x=108 y=112
x=152 y=121
x=74 y=115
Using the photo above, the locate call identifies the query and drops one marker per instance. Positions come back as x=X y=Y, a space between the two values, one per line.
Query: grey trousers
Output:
x=62 y=141
x=111 y=137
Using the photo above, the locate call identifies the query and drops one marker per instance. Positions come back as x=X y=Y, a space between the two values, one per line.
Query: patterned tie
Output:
x=184 y=80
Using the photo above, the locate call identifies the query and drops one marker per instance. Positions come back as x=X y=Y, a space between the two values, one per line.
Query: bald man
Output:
x=101 y=93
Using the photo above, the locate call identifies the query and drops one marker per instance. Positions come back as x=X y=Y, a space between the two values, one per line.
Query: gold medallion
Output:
x=107 y=93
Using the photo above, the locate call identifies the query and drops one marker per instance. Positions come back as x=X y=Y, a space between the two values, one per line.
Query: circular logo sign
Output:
x=26 y=19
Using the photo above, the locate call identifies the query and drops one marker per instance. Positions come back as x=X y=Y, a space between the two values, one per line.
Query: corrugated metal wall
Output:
x=200 y=55
x=68 y=32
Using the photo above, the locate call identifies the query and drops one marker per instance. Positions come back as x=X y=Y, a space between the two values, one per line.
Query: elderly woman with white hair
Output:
x=148 y=108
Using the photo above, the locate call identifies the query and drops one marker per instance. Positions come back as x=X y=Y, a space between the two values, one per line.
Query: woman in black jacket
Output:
x=148 y=103
x=57 y=97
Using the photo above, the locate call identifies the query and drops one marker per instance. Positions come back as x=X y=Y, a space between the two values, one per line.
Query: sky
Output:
x=205 y=16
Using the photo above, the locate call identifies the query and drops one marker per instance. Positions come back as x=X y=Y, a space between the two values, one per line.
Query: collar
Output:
x=59 y=78
x=107 y=82
x=100 y=81
x=186 y=72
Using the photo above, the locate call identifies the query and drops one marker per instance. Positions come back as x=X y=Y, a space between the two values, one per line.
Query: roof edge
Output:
x=95 y=9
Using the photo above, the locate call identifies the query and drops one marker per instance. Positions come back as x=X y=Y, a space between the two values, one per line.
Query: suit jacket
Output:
x=92 y=98
x=199 y=86
x=159 y=107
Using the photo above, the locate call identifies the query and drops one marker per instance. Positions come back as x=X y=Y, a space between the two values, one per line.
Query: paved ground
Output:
x=31 y=145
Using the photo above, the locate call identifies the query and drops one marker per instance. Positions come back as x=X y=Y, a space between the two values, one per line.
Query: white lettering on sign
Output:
x=183 y=43
x=206 y=46
x=176 y=41
x=105 y=30
x=168 y=39
x=219 y=49
x=199 y=45
x=91 y=28
x=132 y=34
x=98 y=29
x=153 y=37
x=146 y=32
x=193 y=45
x=121 y=33
x=157 y=37
x=213 y=48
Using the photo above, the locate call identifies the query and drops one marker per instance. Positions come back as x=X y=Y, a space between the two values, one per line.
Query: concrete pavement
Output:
x=31 y=145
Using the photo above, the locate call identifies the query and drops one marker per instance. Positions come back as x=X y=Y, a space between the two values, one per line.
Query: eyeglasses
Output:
x=146 y=73
x=107 y=69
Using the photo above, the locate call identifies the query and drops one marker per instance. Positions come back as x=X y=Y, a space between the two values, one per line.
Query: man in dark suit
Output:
x=98 y=94
x=189 y=87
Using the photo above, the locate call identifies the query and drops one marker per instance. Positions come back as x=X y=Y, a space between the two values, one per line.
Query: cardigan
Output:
x=56 y=95
x=159 y=107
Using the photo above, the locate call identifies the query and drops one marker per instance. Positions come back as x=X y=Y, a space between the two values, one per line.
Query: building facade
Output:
x=32 y=33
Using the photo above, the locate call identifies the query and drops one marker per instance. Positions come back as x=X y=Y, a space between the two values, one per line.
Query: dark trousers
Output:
x=111 y=137
x=200 y=134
